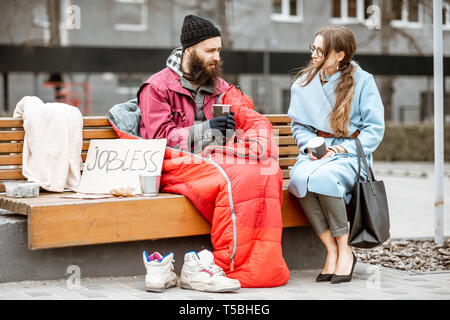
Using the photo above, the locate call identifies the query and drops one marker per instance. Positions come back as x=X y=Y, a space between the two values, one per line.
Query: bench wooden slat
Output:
x=102 y=121
x=17 y=147
x=10 y=122
x=96 y=121
x=285 y=162
x=91 y=121
x=108 y=133
x=16 y=135
x=11 y=174
x=285 y=140
x=15 y=159
x=278 y=118
x=11 y=147
x=282 y=130
x=288 y=151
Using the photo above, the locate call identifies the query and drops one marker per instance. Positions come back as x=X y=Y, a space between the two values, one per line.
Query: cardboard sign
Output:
x=117 y=163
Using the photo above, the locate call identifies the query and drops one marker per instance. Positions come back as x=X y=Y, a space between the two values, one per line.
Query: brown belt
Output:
x=324 y=134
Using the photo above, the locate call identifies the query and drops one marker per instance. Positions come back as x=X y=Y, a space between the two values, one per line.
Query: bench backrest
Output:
x=98 y=127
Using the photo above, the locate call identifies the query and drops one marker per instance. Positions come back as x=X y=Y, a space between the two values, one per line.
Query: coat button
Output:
x=184 y=117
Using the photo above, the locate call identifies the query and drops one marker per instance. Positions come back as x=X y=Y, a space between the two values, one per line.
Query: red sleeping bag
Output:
x=238 y=189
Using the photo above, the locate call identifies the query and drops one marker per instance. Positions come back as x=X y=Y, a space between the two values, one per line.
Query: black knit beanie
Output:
x=195 y=30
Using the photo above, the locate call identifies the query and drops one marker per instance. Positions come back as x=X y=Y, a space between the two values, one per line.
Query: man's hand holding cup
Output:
x=223 y=121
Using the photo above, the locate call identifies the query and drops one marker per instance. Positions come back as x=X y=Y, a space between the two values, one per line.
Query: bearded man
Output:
x=241 y=199
x=176 y=102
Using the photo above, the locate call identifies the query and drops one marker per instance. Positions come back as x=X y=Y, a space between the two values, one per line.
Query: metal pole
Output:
x=438 y=123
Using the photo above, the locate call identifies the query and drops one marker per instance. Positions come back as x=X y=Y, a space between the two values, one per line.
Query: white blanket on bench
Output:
x=52 y=144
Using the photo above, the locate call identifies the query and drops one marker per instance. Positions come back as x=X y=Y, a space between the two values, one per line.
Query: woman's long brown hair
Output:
x=337 y=38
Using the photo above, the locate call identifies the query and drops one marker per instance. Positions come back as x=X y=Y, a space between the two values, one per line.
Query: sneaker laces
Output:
x=214 y=269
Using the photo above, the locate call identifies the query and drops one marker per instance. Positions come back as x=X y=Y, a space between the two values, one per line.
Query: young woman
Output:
x=332 y=97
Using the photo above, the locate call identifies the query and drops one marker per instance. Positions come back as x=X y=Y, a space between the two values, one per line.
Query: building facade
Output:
x=393 y=27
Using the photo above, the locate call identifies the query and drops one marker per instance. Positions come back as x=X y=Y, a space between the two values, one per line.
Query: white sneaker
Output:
x=160 y=274
x=199 y=272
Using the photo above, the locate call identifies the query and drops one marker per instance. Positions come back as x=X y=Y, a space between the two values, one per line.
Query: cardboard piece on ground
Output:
x=117 y=163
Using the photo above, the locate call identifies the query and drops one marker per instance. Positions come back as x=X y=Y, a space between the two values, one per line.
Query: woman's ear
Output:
x=340 y=56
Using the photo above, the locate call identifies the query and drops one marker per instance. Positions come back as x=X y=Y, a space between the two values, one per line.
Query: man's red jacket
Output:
x=238 y=189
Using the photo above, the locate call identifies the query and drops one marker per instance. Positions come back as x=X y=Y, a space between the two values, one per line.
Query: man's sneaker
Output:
x=199 y=272
x=160 y=274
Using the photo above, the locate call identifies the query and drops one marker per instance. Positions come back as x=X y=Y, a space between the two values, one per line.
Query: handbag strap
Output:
x=360 y=152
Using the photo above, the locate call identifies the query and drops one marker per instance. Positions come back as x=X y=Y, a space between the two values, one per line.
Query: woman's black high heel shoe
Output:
x=323 y=277
x=344 y=278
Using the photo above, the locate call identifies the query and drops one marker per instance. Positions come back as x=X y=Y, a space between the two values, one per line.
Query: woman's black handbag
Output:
x=369 y=213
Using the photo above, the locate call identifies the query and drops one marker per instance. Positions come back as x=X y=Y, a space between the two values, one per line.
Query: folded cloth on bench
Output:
x=52 y=144
x=238 y=189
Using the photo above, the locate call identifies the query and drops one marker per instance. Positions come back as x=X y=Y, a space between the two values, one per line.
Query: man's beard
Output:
x=200 y=74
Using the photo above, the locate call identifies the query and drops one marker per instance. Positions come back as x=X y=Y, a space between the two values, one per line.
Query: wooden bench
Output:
x=61 y=222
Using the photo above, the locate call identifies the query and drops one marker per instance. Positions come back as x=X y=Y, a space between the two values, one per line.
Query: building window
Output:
x=407 y=14
x=446 y=16
x=351 y=11
x=131 y=15
x=287 y=10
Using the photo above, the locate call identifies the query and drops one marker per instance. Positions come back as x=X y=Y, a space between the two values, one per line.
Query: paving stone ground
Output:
x=369 y=283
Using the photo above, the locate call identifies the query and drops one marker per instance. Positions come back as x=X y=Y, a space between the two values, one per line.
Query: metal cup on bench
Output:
x=149 y=184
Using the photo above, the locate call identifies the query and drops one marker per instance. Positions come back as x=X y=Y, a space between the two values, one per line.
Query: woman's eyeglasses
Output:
x=319 y=51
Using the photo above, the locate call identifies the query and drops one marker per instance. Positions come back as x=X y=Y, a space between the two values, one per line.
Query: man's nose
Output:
x=216 y=57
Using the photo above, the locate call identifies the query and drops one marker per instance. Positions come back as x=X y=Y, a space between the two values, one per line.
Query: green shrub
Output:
x=410 y=142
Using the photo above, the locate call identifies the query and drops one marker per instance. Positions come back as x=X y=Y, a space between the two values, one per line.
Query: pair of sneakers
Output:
x=199 y=272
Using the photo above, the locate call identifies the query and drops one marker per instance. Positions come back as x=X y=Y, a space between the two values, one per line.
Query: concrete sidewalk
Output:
x=369 y=283
x=411 y=198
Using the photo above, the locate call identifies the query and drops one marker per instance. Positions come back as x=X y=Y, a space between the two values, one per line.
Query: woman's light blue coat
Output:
x=309 y=109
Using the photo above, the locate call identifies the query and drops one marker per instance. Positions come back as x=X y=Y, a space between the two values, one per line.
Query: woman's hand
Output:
x=328 y=154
